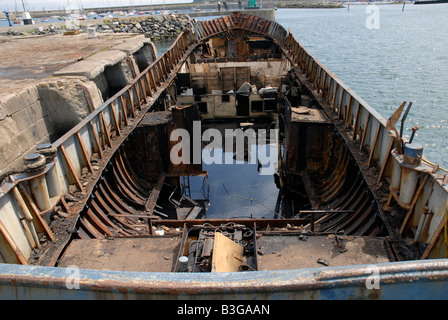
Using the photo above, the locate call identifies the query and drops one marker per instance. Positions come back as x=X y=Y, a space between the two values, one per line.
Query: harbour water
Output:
x=243 y=187
x=387 y=55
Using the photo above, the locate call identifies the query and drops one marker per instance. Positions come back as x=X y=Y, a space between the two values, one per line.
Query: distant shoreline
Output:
x=232 y=6
x=317 y=5
x=320 y=5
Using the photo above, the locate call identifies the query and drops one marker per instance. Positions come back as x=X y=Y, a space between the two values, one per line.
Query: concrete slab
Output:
x=132 y=46
x=93 y=66
x=29 y=60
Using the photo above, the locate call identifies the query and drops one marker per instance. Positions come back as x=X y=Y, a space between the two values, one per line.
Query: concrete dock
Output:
x=25 y=61
x=49 y=83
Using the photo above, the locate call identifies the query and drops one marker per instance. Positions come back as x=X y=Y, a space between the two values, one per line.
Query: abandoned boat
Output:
x=234 y=166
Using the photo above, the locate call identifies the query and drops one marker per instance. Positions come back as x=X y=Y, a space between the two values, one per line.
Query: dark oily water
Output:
x=387 y=55
x=240 y=184
x=238 y=190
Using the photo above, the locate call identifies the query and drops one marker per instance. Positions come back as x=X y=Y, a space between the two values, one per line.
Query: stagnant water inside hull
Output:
x=238 y=185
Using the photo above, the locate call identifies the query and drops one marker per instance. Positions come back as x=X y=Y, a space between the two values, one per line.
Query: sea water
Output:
x=387 y=55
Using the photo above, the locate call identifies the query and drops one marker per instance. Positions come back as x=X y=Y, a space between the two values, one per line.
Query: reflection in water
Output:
x=242 y=188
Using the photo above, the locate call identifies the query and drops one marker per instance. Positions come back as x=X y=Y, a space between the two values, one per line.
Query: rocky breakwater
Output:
x=155 y=27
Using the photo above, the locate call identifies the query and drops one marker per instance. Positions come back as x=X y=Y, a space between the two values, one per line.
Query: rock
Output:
x=70 y=198
x=159 y=26
x=62 y=214
x=323 y=262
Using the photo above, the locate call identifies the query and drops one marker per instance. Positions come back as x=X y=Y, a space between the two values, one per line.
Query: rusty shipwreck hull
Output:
x=109 y=200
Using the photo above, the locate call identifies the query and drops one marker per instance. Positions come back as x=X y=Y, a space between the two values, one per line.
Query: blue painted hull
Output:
x=399 y=280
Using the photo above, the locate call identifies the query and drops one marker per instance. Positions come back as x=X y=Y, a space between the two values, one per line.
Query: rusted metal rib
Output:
x=310 y=190
x=97 y=223
x=127 y=195
x=89 y=229
x=104 y=203
x=125 y=181
x=71 y=168
x=124 y=162
x=102 y=215
x=120 y=224
x=114 y=211
x=114 y=199
x=152 y=200
x=123 y=171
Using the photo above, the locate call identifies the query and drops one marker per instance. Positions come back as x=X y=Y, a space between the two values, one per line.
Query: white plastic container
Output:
x=26 y=17
x=91 y=32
